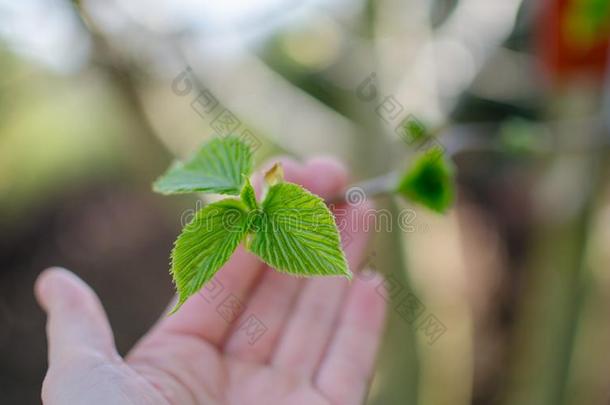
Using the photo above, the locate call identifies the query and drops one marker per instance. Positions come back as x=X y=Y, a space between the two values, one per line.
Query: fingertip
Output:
x=329 y=165
x=59 y=287
x=47 y=282
x=325 y=176
x=76 y=321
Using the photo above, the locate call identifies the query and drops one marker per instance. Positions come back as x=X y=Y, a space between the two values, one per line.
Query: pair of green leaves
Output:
x=292 y=229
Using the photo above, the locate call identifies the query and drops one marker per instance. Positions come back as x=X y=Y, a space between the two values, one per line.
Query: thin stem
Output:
x=370 y=188
x=468 y=138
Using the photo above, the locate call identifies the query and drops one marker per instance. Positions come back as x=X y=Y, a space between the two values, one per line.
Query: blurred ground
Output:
x=115 y=239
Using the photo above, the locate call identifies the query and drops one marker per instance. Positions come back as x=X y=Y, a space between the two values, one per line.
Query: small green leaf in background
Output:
x=206 y=244
x=413 y=131
x=429 y=181
x=520 y=137
x=296 y=233
x=218 y=167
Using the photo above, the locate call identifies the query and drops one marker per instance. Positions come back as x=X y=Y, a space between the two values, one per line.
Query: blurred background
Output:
x=513 y=285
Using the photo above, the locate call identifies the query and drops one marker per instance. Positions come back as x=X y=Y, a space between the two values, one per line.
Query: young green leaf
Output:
x=206 y=244
x=296 y=233
x=218 y=167
x=248 y=196
x=275 y=175
x=429 y=181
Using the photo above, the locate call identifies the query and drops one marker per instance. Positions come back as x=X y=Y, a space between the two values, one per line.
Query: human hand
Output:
x=318 y=347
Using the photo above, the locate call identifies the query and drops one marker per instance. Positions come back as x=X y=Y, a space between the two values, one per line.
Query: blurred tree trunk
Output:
x=555 y=280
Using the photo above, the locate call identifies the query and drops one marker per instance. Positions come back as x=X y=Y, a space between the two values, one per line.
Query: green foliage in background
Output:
x=588 y=21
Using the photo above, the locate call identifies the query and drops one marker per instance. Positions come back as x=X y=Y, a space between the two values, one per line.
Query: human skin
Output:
x=319 y=347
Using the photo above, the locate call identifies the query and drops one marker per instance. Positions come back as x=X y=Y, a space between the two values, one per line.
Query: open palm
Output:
x=252 y=336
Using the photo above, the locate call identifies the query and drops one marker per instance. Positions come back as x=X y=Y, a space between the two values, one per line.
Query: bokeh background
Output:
x=98 y=96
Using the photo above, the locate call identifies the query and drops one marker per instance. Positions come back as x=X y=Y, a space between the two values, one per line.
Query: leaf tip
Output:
x=178 y=305
x=156 y=187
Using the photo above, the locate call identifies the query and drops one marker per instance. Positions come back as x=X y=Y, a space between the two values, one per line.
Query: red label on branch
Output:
x=572 y=38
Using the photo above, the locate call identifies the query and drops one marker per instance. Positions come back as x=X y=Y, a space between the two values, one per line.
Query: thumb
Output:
x=76 y=321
